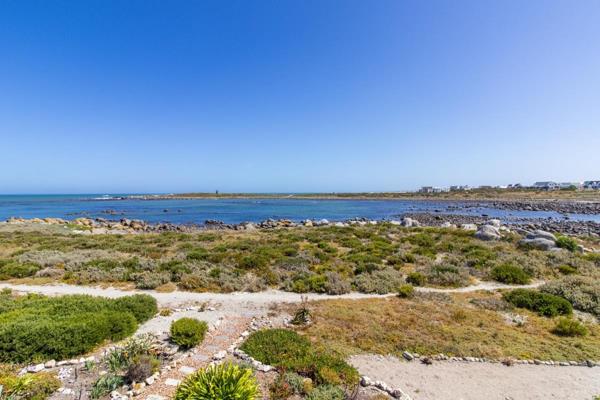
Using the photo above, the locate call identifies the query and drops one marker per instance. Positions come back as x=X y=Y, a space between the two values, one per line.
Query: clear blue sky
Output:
x=281 y=96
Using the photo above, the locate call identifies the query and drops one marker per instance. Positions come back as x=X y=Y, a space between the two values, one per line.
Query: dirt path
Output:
x=216 y=341
x=476 y=381
x=233 y=300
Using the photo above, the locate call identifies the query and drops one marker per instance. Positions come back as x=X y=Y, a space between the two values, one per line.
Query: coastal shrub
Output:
x=188 y=332
x=106 y=384
x=327 y=392
x=141 y=367
x=305 y=282
x=416 y=279
x=381 y=282
x=510 y=274
x=35 y=327
x=142 y=306
x=569 y=327
x=150 y=280
x=289 y=351
x=406 y=291
x=336 y=284
x=13 y=269
x=223 y=381
x=582 y=292
x=122 y=357
x=543 y=303
x=298 y=383
x=447 y=275
x=478 y=256
x=280 y=389
x=565 y=242
x=567 y=269
x=37 y=386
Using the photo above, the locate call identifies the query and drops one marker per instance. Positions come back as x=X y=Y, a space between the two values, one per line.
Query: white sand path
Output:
x=259 y=298
x=446 y=380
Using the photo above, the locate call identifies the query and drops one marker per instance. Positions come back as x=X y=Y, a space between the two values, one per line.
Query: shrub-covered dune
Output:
x=370 y=259
x=38 y=328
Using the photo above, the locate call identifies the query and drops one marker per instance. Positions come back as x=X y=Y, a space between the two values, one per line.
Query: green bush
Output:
x=224 y=381
x=141 y=367
x=565 y=242
x=39 y=328
x=567 y=270
x=406 y=291
x=569 y=327
x=188 y=332
x=106 y=384
x=327 y=392
x=289 y=351
x=510 y=274
x=416 y=279
x=142 y=306
x=582 y=292
x=27 y=387
x=12 y=269
x=542 y=303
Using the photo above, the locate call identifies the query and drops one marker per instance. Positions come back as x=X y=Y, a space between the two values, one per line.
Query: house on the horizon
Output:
x=459 y=188
x=546 y=185
x=430 y=189
x=594 y=185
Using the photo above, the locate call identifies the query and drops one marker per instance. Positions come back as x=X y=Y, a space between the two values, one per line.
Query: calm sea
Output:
x=236 y=210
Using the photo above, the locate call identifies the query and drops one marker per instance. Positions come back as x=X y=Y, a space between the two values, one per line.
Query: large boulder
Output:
x=539 y=243
x=468 y=227
x=494 y=222
x=409 y=222
x=540 y=234
x=488 y=232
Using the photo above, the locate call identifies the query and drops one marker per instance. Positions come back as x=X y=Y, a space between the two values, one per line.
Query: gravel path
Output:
x=477 y=381
x=229 y=300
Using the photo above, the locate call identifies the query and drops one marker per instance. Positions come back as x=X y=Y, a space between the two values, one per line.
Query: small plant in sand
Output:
x=302 y=314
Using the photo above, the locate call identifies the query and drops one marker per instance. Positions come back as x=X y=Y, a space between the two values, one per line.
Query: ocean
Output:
x=196 y=211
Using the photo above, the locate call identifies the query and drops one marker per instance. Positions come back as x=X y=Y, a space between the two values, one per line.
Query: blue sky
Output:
x=282 y=96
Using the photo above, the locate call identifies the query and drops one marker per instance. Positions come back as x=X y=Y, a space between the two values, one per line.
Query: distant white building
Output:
x=594 y=185
x=549 y=185
x=430 y=189
x=458 y=188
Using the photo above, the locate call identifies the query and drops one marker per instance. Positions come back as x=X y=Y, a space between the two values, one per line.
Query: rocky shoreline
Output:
x=566 y=227
x=129 y=226
x=559 y=206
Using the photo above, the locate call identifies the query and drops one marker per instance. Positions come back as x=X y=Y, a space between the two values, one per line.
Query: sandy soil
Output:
x=477 y=381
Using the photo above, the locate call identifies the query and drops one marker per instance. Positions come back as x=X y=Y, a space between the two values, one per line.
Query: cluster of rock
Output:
x=395 y=393
x=408 y=356
x=51 y=364
x=540 y=240
x=105 y=226
x=562 y=206
x=563 y=226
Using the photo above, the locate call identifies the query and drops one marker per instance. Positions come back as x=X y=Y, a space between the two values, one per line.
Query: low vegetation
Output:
x=222 y=381
x=289 y=351
x=39 y=328
x=14 y=386
x=582 y=292
x=133 y=361
x=542 y=303
x=188 y=332
x=477 y=325
x=335 y=260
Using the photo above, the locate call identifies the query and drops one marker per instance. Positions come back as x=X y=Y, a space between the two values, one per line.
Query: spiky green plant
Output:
x=219 y=382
